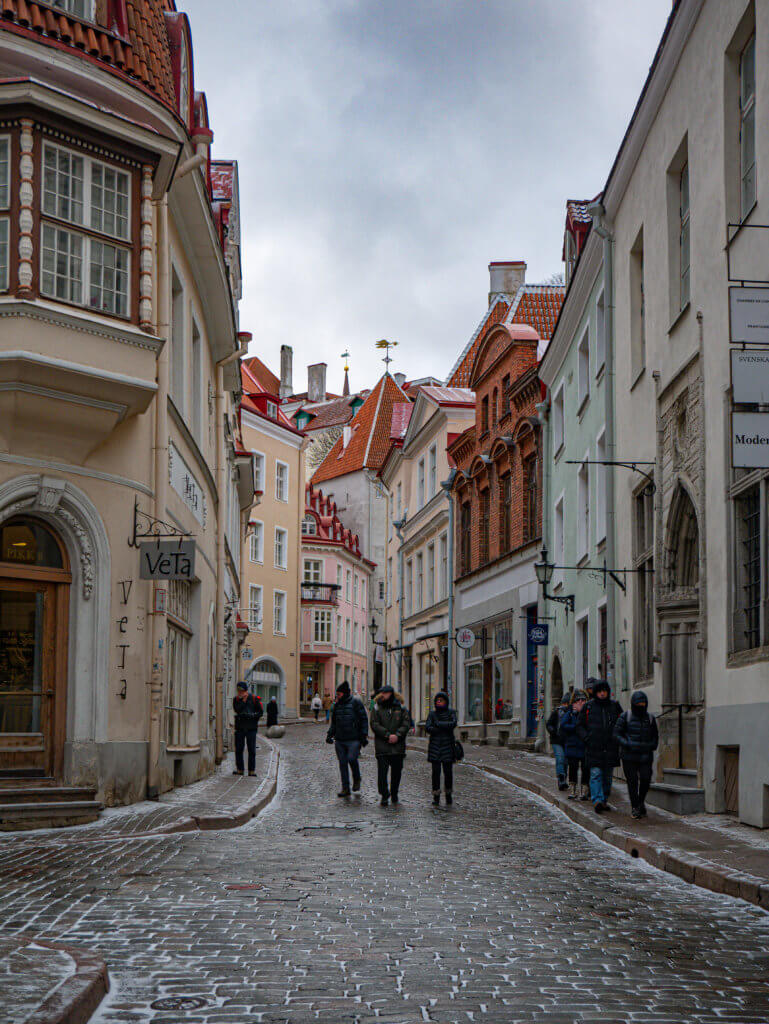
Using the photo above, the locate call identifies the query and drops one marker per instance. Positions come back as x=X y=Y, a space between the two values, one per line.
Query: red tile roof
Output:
x=330 y=529
x=329 y=414
x=265 y=377
x=400 y=419
x=251 y=387
x=450 y=396
x=370 y=438
x=134 y=42
x=460 y=375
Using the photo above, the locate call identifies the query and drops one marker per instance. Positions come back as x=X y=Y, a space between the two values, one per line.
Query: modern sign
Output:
x=539 y=634
x=167 y=560
x=749 y=315
x=465 y=638
x=750 y=440
x=750 y=376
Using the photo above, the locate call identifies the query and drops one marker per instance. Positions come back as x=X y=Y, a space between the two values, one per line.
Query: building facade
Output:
x=119 y=282
x=272 y=553
x=335 y=600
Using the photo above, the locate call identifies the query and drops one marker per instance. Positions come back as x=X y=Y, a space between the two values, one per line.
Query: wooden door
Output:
x=28 y=692
x=732 y=780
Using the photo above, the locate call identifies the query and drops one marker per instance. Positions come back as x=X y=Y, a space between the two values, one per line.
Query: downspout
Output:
x=159 y=624
x=399 y=524
x=543 y=409
x=447 y=486
x=221 y=526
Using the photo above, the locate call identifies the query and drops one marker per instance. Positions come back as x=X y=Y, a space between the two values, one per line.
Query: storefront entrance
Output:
x=34 y=593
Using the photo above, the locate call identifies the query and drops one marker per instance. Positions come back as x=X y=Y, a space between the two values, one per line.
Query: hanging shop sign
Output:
x=750 y=440
x=750 y=376
x=538 y=634
x=247 y=653
x=749 y=316
x=465 y=638
x=167 y=560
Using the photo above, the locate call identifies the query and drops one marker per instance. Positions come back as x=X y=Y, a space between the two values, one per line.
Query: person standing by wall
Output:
x=390 y=724
x=348 y=731
x=574 y=747
x=553 y=727
x=248 y=711
x=596 y=730
x=638 y=737
x=440 y=726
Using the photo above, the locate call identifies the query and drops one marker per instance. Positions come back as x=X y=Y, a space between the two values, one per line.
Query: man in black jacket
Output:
x=348 y=732
x=596 y=730
x=638 y=738
x=390 y=724
x=248 y=711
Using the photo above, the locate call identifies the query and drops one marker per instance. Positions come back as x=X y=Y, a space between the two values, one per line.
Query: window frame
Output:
x=5 y=220
x=559 y=419
x=279 y=466
x=583 y=509
x=583 y=369
x=747 y=110
x=684 y=238
x=281 y=531
x=322 y=626
x=317 y=569
x=259 y=472
x=255 y=589
x=284 y=612
x=600 y=333
x=257 y=535
x=67 y=7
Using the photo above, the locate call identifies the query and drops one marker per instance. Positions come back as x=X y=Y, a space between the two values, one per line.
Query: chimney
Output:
x=400 y=379
x=316 y=382
x=286 y=371
x=346 y=435
x=506 y=278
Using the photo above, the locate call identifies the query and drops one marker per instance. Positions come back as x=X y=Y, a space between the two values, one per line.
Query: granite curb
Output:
x=77 y=997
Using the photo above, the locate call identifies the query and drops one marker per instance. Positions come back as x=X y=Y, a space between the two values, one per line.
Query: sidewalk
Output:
x=713 y=851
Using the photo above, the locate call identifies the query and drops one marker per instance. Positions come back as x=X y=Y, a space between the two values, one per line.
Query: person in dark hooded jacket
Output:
x=596 y=730
x=638 y=738
x=348 y=731
x=390 y=724
x=272 y=712
x=440 y=726
x=553 y=726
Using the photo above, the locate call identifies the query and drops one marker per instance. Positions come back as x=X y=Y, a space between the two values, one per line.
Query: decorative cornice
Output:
x=47 y=313
x=26 y=199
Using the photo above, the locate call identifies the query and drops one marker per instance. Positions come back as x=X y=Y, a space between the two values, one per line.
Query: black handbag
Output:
x=459 y=751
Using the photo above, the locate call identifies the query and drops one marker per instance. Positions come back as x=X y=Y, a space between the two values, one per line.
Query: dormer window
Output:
x=272 y=410
x=309 y=526
x=80 y=8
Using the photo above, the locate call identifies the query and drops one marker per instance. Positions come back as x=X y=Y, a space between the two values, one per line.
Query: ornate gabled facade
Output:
x=119 y=287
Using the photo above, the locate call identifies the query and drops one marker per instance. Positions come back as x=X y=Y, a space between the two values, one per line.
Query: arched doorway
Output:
x=34 y=600
x=556 y=683
x=268 y=680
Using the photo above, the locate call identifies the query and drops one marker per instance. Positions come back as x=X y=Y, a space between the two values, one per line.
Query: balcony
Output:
x=320 y=593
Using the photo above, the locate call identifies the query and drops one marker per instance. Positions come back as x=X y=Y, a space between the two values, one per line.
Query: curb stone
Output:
x=75 y=1000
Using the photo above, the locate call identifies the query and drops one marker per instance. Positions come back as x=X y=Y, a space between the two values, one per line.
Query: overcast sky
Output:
x=388 y=150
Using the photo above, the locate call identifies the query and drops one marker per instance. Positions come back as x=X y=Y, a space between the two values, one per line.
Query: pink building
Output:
x=335 y=601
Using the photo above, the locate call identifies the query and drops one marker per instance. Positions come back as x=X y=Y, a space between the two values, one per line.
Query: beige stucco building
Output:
x=119 y=282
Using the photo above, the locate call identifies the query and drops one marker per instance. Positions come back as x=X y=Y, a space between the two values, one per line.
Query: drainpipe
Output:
x=159 y=624
x=602 y=228
x=447 y=486
x=543 y=410
x=221 y=485
x=399 y=524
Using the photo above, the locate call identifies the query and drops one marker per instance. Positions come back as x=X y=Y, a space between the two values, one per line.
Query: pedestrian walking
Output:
x=553 y=727
x=440 y=725
x=327 y=702
x=248 y=711
x=638 y=737
x=316 y=704
x=348 y=731
x=596 y=730
x=390 y=723
x=272 y=712
x=575 y=748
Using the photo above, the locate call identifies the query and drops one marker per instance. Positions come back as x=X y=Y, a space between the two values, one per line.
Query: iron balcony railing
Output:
x=324 y=593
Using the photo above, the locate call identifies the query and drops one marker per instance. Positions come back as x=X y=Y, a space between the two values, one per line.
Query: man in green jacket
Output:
x=390 y=723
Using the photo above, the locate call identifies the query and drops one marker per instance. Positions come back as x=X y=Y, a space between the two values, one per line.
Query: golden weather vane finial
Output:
x=386 y=345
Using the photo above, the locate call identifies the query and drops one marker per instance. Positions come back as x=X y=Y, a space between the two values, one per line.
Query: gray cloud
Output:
x=389 y=149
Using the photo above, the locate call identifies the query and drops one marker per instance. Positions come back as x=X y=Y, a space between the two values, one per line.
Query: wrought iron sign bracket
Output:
x=651 y=486
x=146 y=527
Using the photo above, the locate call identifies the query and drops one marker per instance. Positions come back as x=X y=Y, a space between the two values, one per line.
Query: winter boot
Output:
x=585 y=792
x=449 y=799
x=573 y=791
x=436 y=797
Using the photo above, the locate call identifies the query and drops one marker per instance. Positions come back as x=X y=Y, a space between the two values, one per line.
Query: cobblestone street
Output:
x=497 y=909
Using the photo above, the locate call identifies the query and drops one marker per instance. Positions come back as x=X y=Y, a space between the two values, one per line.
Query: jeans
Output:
x=600 y=784
x=448 y=776
x=241 y=739
x=577 y=767
x=639 y=777
x=347 y=751
x=393 y=762
x=328 y=714
x=560 y=761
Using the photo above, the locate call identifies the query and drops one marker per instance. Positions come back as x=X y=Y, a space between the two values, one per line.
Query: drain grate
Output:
x=244 y=886
x=179 y=1003
x=330 y=828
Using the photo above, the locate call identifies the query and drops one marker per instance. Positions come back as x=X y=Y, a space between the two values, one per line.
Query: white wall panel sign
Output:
x=750 y=376
x=750 y=440
x=183 y=481
x=749 y=315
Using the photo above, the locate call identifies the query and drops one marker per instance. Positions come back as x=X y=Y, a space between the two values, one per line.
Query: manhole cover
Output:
x=244 y=886
x=179 y=1003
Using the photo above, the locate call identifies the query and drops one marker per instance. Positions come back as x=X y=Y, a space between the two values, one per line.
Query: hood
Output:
x=639 y=703
x=386 y=695
x=343 y=690
x=441 y=693
x=599 y=684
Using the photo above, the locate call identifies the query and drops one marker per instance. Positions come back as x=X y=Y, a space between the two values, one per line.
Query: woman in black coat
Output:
x=440 y=726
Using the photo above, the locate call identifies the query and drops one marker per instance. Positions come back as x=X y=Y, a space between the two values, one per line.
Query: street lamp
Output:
x=544 y=571
x=373 y=629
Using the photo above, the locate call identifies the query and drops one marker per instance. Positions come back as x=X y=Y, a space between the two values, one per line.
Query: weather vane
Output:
x=387 y=345
x=346 y=356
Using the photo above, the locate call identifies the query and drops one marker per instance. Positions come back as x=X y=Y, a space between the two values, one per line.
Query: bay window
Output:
x=80 y=8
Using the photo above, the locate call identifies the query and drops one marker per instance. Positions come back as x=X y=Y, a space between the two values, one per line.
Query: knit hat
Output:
x=566 y=700
x=441 y=693
x=242 y=686
x=601 y=684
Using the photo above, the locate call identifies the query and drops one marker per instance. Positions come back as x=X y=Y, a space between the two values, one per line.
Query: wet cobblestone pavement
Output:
x=497 y=909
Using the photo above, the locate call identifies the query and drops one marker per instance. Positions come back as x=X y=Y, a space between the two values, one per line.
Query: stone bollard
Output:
x=276 y=731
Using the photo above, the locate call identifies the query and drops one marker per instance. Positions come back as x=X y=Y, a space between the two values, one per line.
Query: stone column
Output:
x=26 y=219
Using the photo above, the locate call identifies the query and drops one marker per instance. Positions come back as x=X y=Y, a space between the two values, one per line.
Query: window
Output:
x=505 y=513
x=637 y=309
x=348 y=586
x=80 y=8
x=179 y=632
x=748 y=127
x=444 y=553
x=389 y=581
x=505 y=396
x=75 y=266
x=254 y=608
x=420 y=483
x=583 y=652
x=494 y=403
x=279 y=613
x=558 y=423
x=309 y=526
x=5 y=201
x=355 y=588
x=272 y=410
x=184 y=81
x=600 y=334
x=432 y=477
x=485 y=415
x=430 y=598
x=643 y=559
x=3 y=254
x=530 y=516
x=313 y=571
x=583 y=511
x=484 y=527
x=409 y=585
x=197 y=382
x=381 y=590
x=603 y=644
x=464 y=538
x=256 y=542
x=321 y=625
x=419 y=594
x=258 y=472
x=683 y=234
x=355 y=636
x=558 y=550
x=339 y=631
x=747 y=507
x=281 y=481
x=177 y=357
x=583 y=369
x=347 y=633
x=281 y=548
x=399 y=502
x=339 y=576
x=600 y=488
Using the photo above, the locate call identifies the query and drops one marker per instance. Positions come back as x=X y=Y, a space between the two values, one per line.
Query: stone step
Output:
x=676 y=799
x=686 y=777
x=521 y=744
x=44 y=794
x=47 y=815
x=13 y=774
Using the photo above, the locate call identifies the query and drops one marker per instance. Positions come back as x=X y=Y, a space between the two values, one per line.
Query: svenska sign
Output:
x=167 y=560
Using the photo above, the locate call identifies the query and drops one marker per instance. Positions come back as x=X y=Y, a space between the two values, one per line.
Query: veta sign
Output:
x=750 y=440
x=749 y=315
x=167 y=560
